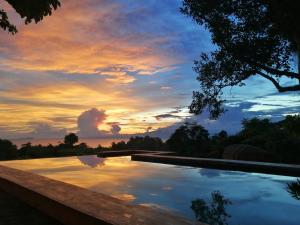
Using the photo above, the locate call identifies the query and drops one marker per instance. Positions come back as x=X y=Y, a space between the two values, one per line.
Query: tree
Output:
x=189 y=139
x=252 y=38
x=71 y=139
x=140 y=143
x=291 y=124
x=253 y=127
x=214 y=212
x=293 y=188
x=28 y=10
x=7 y=150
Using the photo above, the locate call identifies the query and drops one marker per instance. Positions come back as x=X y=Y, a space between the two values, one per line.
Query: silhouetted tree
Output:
x=253 y=127
x=145 y=143
x=252 y=38
x=140 y=143
x=71 y=139
x=189 y=139
x=214 y=212
x=294 y=189
x=29 y=10
x=82 y=146
x=121 y=145
x=218 y=143
x=291 y=124
x=7 y=150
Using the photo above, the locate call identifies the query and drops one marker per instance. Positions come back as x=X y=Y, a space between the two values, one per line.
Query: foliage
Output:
x=252 y=37
x=7 y=150
x=140 y=143
x=189 y=139
x=292 y=125
x=213 y=213
x=71 y=139
x=255 y=126
x=281 y=138
x=280 y=141
x=28 y=10
x=294 y=189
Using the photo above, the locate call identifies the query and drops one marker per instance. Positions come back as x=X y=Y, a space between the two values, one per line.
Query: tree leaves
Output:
x=29 y=10
x=250 y=41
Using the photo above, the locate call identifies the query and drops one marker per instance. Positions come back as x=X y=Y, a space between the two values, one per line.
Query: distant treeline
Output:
x=259 y=140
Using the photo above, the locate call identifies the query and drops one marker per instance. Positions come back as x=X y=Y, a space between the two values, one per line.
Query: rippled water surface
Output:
x=257 y=199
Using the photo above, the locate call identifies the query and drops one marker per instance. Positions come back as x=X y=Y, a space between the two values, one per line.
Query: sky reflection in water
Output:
x=256 y=198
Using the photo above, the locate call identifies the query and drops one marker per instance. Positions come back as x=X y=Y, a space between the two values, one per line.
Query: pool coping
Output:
x=223 y=164
x=73 y=205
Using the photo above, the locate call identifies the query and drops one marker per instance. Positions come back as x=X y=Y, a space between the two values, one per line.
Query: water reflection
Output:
x=173 y=188
x=294 y=189
x=92 y=161
x=212 y=212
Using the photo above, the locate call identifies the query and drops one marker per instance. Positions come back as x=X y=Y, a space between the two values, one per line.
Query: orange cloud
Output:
x=86 y=55
x=79 y=39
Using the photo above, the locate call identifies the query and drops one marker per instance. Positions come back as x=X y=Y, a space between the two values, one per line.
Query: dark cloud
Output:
x=115 y=129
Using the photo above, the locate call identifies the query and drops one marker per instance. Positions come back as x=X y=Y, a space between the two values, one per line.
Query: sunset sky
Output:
x=110 y=67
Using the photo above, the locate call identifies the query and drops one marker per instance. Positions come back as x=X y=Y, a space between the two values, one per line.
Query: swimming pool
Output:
x=258 y=199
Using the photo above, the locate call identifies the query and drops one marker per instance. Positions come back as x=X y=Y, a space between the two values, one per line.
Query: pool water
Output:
x=256 y=199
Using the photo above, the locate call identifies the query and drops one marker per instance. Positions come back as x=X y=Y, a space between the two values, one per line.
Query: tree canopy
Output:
x=71 y=139
x=252 y=38
x=189 y=139
x=29 y=10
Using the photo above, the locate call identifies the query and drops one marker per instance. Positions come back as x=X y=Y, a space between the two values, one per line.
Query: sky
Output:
x=107 y=68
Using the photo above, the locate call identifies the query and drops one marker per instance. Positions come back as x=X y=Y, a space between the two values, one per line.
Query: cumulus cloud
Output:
x=115 y=129
x=89 y=121
x=92 y=160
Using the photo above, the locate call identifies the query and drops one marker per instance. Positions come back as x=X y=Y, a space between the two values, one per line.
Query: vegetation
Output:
x=28 y=10
x=280 y=139
x=189 y=139
x=140 y=143
x=276 y=141
x=294 y=189
x=213 y=213
x=252 y=38
x=71 y=139
x=7 y=150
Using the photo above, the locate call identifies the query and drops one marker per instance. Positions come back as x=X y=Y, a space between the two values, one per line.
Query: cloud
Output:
x=165 y=88
x=92 y=161
x=148 y=129
x=45 y=130
x=166 y=116
x=115 y=129
x=87 y=37
x=89 y=121
x=133 y=60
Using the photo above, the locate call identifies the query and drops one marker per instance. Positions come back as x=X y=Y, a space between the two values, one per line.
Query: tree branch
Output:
x=279 y=72
x=278 y=86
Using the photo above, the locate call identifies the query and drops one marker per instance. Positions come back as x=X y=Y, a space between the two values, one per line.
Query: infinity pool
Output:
x=256 y=199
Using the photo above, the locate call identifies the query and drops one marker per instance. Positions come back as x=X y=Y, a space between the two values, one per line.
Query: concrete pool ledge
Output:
x=72 y=205
x=235 y=165
x=224 y=164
